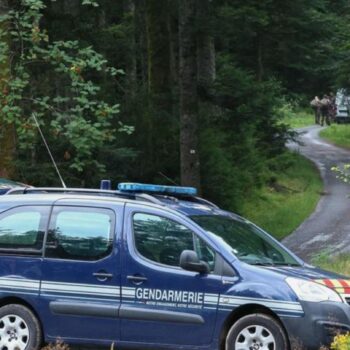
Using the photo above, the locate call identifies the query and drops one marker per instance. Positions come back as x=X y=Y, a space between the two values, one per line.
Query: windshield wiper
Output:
x=260 y=263
x=280 y=263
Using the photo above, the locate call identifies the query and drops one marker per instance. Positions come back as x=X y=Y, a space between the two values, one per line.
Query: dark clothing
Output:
x=325 y=116
x=317 y=112
x=332 y=109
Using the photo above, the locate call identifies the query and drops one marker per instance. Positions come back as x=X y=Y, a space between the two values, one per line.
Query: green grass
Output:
x=338 y=134
x=282 y=206
x=337 y=263
x=298 y=118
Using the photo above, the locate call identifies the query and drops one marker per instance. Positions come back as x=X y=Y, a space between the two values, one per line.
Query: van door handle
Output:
x=102 y=276
x=136 y=279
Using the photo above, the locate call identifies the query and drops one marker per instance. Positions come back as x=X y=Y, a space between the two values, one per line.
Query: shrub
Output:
x=59 y=345
x=341 y=342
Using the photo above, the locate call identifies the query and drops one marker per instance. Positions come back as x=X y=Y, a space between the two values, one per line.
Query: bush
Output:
x=341 y=342
x=59 y=345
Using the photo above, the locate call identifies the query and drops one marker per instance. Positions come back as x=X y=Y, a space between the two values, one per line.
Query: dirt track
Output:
x=329 y=226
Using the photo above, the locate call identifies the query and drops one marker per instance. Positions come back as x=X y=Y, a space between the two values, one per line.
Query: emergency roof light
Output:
x=105 y=185
x=160 y=189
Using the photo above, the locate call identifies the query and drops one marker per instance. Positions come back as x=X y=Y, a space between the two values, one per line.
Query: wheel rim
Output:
x=14 y=333
x=255 y=338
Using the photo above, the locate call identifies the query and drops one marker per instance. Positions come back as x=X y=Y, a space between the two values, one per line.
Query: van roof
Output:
x=188 y=205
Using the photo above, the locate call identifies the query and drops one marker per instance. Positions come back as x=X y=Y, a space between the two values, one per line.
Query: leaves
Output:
x=76 y=113
x=90 y=2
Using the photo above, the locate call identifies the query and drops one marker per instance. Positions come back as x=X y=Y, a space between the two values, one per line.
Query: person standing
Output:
x=316 y=106
x=332 y=109
x=325 y=103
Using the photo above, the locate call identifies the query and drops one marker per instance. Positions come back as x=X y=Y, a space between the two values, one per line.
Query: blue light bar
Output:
x=105 y=185
x=148 y=188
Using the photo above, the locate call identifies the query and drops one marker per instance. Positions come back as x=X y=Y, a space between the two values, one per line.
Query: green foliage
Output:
x=267 y=54
x=341 y=342
x=90 y=2
x=327 y=260
x=338 y=134
x=238 y=142
x=294 y=116
x=69 y=105
x=298 y=42
x=294 y=186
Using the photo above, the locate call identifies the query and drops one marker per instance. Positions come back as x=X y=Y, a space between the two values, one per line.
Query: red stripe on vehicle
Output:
x=346 y=286
x=329 y=283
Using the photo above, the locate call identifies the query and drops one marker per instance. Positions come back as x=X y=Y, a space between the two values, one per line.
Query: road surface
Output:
x=328 y=228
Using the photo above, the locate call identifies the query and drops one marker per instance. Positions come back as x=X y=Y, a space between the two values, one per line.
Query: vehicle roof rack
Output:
x=206 y=202
x=87 y=191
x=192 y=199
x=142 y=196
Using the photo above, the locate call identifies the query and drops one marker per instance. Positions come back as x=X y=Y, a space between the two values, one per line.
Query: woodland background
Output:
x=191 y=92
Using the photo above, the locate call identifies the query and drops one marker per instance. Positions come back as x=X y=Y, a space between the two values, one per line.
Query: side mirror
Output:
x=189 y=261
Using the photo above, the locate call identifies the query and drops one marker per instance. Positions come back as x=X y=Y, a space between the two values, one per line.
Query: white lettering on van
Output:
x=171 y=296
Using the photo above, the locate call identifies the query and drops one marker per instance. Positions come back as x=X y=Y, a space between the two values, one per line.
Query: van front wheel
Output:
x=256 y=332
x=19 y=328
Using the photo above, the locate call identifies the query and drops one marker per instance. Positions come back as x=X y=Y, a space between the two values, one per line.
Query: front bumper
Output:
x=320 y=323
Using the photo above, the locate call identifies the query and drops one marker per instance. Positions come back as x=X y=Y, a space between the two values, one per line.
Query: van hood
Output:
x=337 y=282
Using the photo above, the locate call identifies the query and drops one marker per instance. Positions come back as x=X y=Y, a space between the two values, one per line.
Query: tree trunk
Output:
x=7 y=131
x=190 y=167
x=158 y=46
x=159 y=86
x=205 y=45
x=260 y=74
x=141 y=41
x=129 y=9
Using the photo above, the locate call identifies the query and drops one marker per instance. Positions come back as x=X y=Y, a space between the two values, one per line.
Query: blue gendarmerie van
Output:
x=154 y=267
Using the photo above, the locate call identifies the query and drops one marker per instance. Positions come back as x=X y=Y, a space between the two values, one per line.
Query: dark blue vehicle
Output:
x=154 y=267
x=6 y=185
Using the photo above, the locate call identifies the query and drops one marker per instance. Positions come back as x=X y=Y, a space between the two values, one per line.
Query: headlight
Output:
x=311 y=291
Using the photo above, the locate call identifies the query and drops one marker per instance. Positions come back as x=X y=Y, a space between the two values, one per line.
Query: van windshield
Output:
x=249 y=243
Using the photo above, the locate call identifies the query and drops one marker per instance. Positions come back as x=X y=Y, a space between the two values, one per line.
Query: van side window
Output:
x=80 y=233
x=23 y=228
x=163 y=240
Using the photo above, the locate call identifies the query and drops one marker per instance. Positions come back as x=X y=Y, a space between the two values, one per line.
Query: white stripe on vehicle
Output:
x=178 y=298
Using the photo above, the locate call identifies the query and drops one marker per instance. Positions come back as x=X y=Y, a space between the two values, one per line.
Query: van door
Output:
x=80 y=289
x=162 y=303
x=22 y=231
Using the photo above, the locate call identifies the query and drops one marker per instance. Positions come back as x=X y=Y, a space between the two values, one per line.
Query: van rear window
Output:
x=23 y=228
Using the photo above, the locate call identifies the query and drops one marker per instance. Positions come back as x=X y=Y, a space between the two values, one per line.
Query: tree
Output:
x=72 y=110
x=206 y=65
x=7 y=130
x=190 y=166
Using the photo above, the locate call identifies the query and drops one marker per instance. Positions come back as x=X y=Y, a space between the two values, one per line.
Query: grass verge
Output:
x=281 y=206
x=298 y=118
x=337 y=263
x=338 y=134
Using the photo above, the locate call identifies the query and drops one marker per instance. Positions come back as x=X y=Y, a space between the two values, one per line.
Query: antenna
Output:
x=48 y=150
x=168 y=178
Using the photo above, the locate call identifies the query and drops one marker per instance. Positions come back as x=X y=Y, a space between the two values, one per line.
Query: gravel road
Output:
x=329 y=226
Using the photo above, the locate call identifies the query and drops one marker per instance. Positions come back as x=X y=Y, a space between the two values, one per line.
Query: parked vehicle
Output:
x=6 y=185
x=342 y=103
x=154 y=267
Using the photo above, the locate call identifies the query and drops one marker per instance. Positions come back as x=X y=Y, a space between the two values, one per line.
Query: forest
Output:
x=187 y=92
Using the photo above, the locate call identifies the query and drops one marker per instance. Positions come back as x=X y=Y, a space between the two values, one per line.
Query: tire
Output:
x=19 y=328
x=256 y=332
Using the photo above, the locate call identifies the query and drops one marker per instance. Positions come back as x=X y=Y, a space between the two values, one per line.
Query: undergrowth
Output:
x=338 y=134
x=293 y=188
x=340 y=342
x=337 y=263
